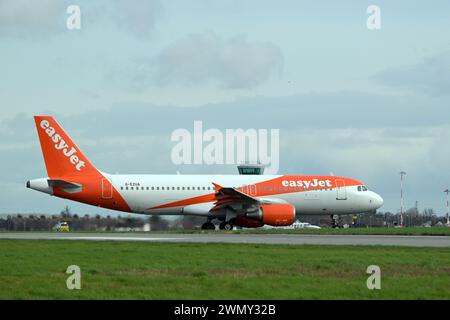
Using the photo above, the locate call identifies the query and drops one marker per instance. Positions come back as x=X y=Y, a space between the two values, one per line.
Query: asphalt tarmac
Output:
x=293 y=239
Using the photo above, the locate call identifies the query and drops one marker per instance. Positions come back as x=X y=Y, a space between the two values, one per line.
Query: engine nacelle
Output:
x=272 y=214
x=242 y=221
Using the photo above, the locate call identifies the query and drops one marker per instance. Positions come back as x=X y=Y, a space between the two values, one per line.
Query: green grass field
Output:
x=35 y=269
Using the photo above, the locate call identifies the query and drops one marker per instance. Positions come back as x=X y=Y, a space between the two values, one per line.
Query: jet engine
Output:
x=272 y=214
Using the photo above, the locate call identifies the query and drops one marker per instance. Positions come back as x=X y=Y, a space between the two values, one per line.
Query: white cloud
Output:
x=430 y=76
x=138 y=17
x=234 y=62
x=22 y=18
x=43 y=18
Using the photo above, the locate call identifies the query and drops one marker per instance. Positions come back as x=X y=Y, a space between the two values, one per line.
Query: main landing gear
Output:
x=208 y=226
x=227 y=225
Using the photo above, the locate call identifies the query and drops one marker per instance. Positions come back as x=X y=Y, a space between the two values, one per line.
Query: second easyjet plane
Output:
x=241 y=200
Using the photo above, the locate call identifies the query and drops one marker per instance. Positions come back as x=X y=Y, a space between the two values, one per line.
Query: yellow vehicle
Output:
x=62 y=227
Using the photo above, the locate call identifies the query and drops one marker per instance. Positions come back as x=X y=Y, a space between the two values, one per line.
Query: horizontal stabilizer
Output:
x=62 y=184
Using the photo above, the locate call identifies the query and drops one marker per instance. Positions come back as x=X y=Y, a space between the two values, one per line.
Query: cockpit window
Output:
x=362 y=188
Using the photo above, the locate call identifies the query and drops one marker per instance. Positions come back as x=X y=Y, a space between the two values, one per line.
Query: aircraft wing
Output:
x=226 y=196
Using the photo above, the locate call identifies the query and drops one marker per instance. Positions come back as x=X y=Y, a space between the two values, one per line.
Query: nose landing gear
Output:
x=335 y=221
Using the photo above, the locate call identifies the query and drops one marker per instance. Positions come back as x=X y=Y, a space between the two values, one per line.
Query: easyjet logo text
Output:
x=60 y=144
x=314 y=183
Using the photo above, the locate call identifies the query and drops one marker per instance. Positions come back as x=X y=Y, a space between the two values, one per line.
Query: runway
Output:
x=292 y=239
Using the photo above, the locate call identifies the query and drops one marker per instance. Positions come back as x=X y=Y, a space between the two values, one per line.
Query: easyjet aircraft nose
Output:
x=376 y=200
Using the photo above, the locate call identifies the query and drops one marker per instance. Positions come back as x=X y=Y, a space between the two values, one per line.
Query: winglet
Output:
x=216 y=186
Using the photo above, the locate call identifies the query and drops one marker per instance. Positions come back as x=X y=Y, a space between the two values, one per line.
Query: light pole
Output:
x=402 y=174
x=448 y=207
x=416 y=215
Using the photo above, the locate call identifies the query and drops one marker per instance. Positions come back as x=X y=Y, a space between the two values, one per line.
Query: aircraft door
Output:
x=250 y=190
x=107 y=189
x=341 y=190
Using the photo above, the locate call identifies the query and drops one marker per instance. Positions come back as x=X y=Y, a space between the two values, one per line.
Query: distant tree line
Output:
x=411 y=218
x=42 y=222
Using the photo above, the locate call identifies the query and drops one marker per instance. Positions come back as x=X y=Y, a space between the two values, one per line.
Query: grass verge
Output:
x=35 y=269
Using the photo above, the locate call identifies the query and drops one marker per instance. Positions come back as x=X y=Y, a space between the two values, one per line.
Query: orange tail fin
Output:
x=61 y=155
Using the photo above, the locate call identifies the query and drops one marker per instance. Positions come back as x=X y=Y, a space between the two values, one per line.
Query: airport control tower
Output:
x=251 y=168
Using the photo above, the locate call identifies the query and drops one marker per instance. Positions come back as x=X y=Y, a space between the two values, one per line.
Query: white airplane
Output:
x=305 y=225
x=296 y=225
x=235 y=200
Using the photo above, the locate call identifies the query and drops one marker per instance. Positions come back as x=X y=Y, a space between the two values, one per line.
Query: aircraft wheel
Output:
x=211 y=226
x=228 y=226
x=208 y=226
x=335 y=221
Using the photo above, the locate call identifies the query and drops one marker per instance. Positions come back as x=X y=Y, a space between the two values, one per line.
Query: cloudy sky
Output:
x=348 y=100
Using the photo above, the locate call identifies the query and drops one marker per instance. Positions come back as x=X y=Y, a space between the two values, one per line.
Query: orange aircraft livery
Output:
x=234 y=200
